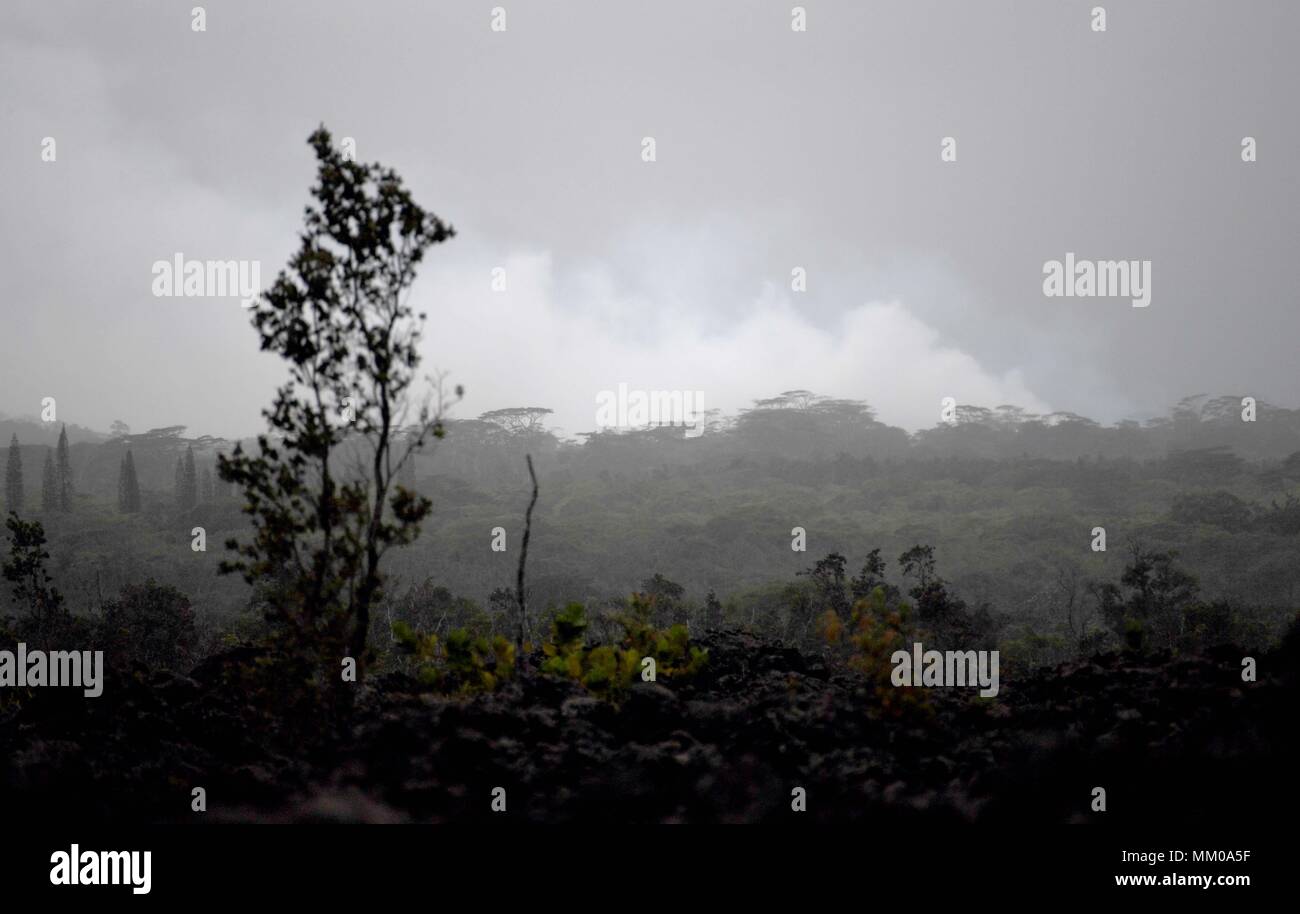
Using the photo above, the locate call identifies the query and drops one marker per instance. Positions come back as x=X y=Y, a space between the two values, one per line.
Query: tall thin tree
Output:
x=340 y=315
x=128 y=486
x=65 y=471
x=50 y=500
x=189 y=481
x=180 y=482
x=14 y=478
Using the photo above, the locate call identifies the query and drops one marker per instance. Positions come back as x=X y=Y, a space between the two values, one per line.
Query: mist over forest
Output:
x=620 y=414
x=1007 y=500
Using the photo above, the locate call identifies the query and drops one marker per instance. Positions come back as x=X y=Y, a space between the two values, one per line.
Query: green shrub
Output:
x=608 y=669
x=877 y=627
x=464 y=663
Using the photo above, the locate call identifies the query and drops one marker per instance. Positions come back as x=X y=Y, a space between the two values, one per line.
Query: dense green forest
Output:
x=1007 y=502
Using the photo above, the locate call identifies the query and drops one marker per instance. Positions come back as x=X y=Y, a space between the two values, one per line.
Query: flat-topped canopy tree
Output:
x=339 y=316
x=518 y=419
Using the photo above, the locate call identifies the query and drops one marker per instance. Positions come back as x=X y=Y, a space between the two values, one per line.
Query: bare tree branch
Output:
x=523 y=557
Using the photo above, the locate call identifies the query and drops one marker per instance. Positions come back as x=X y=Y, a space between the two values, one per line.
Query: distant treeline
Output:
x=1008 y=501
x=1200 y=436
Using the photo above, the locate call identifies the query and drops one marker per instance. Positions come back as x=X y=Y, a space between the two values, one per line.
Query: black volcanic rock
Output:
x=1172 y=739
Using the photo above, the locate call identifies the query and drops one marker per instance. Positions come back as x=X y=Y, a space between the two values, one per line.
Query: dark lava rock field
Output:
x=1171 y=739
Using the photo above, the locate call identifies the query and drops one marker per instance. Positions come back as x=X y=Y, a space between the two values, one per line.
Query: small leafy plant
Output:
x=608 y=669
x=875 y=629
x=463 y=664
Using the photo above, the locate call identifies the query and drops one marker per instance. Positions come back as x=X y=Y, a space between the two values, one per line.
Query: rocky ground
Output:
x=1172 y=740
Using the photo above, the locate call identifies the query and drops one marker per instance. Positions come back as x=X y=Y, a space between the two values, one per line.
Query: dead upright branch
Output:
x=523 y=557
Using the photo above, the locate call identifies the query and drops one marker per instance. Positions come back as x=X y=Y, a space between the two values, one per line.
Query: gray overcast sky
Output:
x=774 y=150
